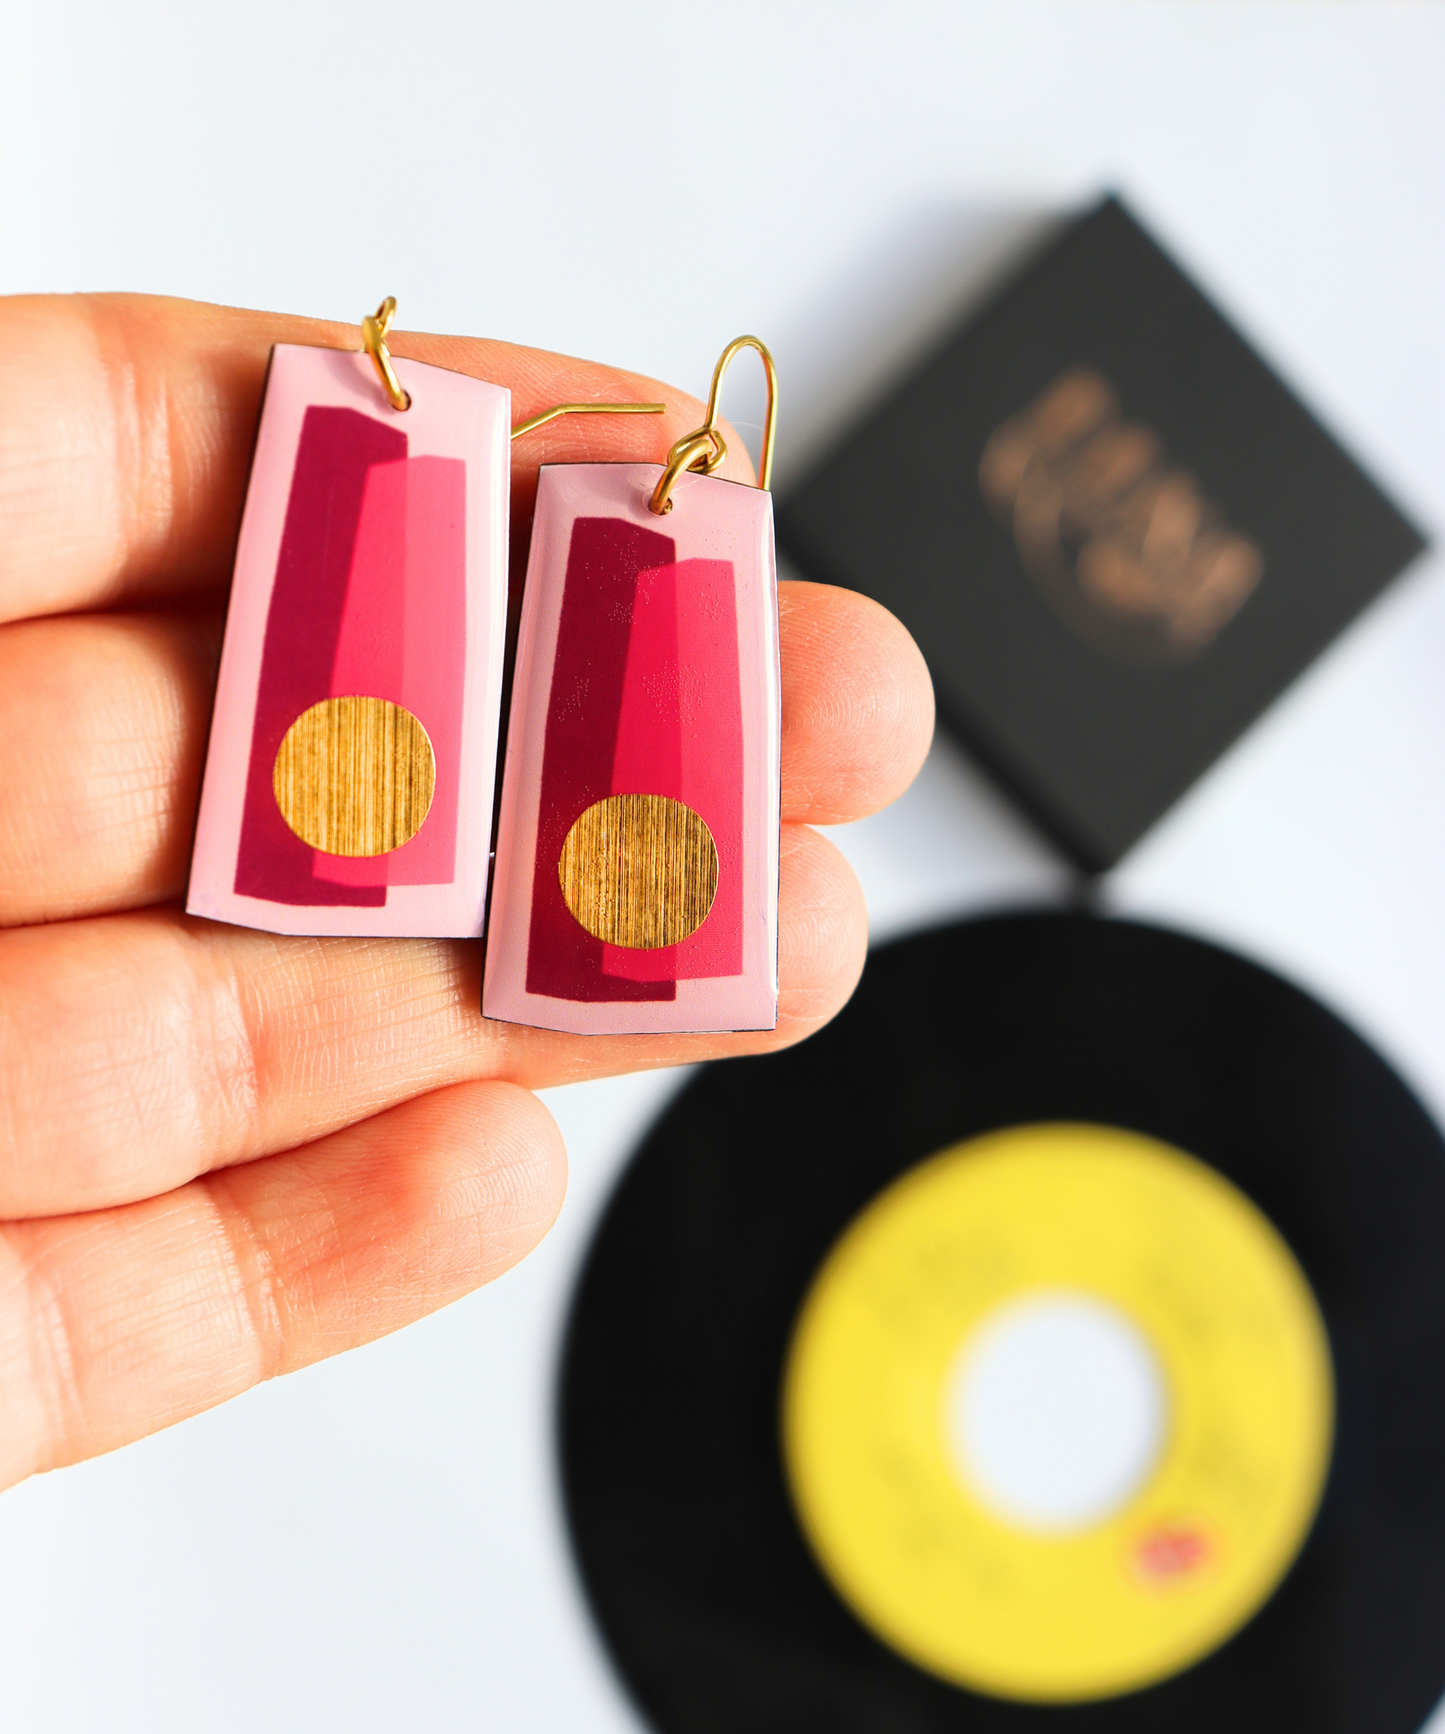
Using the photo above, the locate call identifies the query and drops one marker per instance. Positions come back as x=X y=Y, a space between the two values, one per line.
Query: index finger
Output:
x=129 y=421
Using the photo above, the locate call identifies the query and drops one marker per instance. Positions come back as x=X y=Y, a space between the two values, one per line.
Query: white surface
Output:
x=375 y=1544
x=1056 y=1411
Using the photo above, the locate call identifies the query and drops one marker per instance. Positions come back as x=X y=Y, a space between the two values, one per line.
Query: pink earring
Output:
x=637 y=852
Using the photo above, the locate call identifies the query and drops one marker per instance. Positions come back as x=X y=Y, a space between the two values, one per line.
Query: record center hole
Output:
x=1056 y=1411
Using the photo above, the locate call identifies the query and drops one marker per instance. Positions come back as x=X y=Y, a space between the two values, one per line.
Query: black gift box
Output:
x=1114 y=532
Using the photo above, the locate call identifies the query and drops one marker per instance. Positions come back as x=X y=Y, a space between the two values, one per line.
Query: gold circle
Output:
x=355 y=776
x=1156 y=1585
x=639 y=870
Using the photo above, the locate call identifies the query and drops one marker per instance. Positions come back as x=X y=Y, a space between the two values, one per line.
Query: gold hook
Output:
x=373 y=335
x=704 y=449
x=684 y=456
x=524 y=427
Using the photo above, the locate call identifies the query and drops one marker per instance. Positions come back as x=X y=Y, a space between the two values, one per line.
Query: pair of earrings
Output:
x=352 y=762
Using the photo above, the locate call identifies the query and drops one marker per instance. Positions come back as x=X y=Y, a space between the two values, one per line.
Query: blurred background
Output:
x=378 y=1543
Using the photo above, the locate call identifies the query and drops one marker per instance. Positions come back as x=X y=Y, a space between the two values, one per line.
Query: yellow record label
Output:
x=919 y=1551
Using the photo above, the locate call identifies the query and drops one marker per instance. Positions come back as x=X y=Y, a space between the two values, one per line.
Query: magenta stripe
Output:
x=337 y=448
x=584 y=707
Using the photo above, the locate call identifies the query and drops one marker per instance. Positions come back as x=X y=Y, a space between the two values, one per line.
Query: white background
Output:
x=376 y=1544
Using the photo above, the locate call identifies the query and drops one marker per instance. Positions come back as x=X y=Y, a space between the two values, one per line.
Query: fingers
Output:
x=105 y=717
x=117 y=1323
x=857 y=704
x=130 y=420
x=822 y=939
x=137 y=1051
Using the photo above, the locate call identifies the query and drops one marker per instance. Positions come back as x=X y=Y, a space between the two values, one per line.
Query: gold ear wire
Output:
x=373 y=335
x=770 y=418
x=374 y=328
x=557 y=409
x=704 y=449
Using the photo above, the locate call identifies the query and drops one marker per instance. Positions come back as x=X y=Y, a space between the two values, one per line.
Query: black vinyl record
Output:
x=710 y=1599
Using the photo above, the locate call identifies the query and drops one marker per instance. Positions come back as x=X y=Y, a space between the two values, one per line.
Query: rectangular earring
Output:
x=636 y=880
x=352 y=760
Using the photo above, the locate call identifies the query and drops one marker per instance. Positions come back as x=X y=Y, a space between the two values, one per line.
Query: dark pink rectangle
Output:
x=604 y=559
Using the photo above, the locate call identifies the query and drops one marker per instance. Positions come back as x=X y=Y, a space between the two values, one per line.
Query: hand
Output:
x=225 y=1154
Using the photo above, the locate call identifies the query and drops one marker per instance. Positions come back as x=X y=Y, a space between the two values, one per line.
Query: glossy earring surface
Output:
x=637 y=853
x=349 y=778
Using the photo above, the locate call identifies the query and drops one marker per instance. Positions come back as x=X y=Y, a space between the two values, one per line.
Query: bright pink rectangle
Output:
x=403 y=638
x=681 y=734
x=434 y=655
x=367 y=661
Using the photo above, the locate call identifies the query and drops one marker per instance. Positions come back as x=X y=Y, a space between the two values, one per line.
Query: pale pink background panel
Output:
x=455 y=532
x=712 y=521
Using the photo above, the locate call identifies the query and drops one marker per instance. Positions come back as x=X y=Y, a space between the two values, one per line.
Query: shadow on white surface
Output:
x=953 y=846
x=927 y=270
